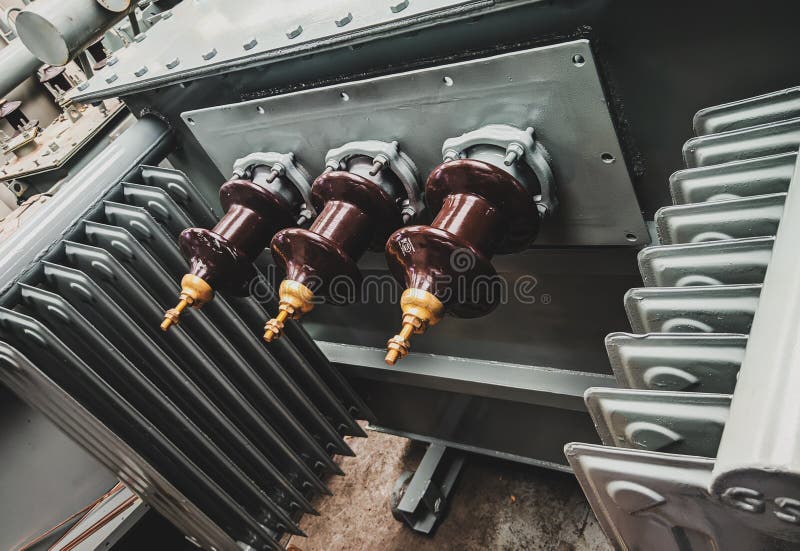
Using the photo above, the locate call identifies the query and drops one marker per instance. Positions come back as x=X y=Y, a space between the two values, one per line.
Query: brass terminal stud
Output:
x=421 y=309
x=295 y=300
x=221 y=258
x=194 y=292
x=172 y=316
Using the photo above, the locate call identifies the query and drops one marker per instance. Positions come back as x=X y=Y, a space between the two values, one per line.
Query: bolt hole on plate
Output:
x=447 y=81
x=578 y=60
x=631 y=237
x=190 y=120
x=607 y=158
x=400 y=105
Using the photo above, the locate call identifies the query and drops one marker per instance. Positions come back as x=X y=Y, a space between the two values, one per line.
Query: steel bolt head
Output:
x=400 y=6
x=172 y=63
x=210 y=54
x=111 y=78
x=140 y=71
x=341 y=22
x=450 y=155
x=294 y=32
x=250 y=44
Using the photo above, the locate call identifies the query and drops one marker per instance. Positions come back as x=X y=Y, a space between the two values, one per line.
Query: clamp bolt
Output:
x=294 y=32
x=400 y=6
x=344 y=20
x=513 y=152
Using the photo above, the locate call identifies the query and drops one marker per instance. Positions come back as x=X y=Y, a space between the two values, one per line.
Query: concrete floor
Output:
x=496 y=505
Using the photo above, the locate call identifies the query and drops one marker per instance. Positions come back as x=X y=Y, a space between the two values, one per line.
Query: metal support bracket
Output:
x=282 y=165
x=519 y=144
x=384 y=155
x=420 y=499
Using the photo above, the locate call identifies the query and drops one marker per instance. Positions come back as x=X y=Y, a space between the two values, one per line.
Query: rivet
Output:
x=400 y=6
x=83 y=86
x=111 y=78
x=140 y=71
x=172 y=64
x=250 y=44
x=139 y=37
x=294 y=32
x=209 y=54
x=344 y=20
x=112 y=60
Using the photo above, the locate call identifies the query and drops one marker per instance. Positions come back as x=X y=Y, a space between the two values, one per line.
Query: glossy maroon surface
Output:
x=480 y=210
x=223 y=256
x=355 y=213
x=515 y=204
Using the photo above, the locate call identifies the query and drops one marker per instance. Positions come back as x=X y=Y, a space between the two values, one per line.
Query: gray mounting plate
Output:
x=555 y=89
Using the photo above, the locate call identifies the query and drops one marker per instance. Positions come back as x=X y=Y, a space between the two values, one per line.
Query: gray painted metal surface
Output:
x=759 y=176
x=688 y=423
x=745 y=495
x=770 y=138
x=689 y=362
x=755 y=216
x=760 y=451
x=28 y=382
x=173 y=51
x=148 y=139
x=424 y=500
x=473 y=401
x=238 y=431
x=699 y=309
x=56 y=31
x=46 y=476
x=448 y=101
x=727 y=262
x=736 y=115
x=660 y=502
x=18 y=64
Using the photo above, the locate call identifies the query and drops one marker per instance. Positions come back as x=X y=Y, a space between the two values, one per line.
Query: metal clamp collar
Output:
x=283 y=165
x=384 y=155
x=518 y=144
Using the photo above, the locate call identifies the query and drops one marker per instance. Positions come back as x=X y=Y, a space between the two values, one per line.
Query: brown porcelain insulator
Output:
x=356 y=213
x=223 y=256
x=480 y=210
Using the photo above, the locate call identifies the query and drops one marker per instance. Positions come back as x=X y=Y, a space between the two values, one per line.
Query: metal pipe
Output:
x=17 y=63
x=146 y=142
x=759 y=455
x=58 y=30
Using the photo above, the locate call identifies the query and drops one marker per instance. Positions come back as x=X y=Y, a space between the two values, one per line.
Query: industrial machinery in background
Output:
x=491 y=168
x=45 y=137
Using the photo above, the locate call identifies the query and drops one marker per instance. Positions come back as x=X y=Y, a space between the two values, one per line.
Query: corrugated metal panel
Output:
x=244 y=434
x=706 y=285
